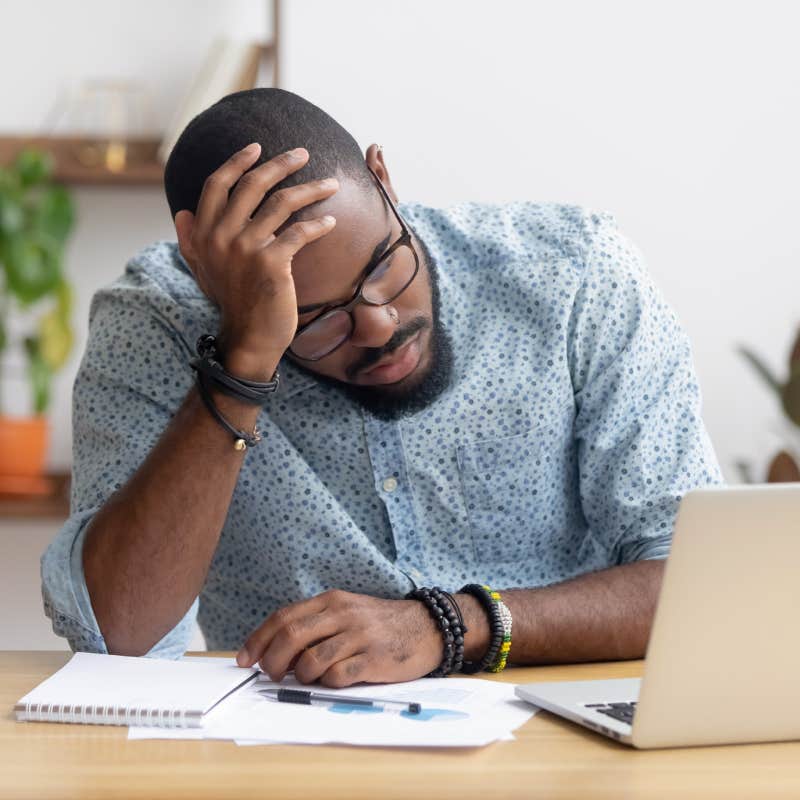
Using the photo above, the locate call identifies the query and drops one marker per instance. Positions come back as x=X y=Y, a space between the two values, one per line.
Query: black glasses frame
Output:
x=403 y=241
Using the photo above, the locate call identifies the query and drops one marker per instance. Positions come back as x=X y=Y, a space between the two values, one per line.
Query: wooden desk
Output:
x=550 y=759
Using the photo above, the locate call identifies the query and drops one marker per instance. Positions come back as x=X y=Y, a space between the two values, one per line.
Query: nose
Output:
x=373 y=326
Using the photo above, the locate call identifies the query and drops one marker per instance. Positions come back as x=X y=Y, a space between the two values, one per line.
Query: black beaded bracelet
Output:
x=448 y=617
x=458 y=622
x=496 y=630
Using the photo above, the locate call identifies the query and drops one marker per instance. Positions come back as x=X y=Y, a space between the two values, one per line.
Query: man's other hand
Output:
x=339 y=638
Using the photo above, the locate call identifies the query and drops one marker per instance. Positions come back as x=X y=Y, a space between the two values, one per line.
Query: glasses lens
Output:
x=322 y=336
x=391 y=276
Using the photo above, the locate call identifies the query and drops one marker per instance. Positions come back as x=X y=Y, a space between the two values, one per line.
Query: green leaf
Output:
x=33 y=266
x=33 y=166
x=39 y=374
x=11 y=214
x=794 y=356
x=55 y=339
x=791 y=397
x=64 y=301
x=54 y=214
x=761 y=368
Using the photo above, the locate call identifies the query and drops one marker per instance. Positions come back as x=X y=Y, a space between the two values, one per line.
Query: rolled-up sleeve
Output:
x=641 y=440
x=122 y=402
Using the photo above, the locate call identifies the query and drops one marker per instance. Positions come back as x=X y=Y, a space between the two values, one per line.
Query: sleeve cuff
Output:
x=67 y=603
x=646 y=549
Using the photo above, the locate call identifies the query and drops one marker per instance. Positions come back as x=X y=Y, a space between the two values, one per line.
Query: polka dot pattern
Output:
x=569 y=434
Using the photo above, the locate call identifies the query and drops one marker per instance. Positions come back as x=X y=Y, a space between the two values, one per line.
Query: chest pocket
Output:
x=511 y=493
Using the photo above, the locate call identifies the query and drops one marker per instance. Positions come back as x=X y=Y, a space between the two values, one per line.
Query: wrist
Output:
x=248 y=364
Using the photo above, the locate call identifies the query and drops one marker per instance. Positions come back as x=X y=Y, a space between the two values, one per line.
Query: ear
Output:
x=184 y=222
x=377 y=164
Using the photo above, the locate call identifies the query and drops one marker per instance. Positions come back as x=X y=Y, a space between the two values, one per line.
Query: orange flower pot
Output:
x=23 y=450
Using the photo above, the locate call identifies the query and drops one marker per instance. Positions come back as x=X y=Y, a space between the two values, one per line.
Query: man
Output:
x=490 y=394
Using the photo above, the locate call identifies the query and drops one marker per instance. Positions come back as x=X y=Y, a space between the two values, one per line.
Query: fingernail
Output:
x=329 y=220
x=298 y=152
x=329 y=183
x=251 y=148
x=243 y=658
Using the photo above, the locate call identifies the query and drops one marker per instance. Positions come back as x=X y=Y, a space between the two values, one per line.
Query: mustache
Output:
x=374 y=354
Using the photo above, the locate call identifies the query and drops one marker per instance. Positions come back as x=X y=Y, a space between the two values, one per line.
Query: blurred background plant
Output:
x=36 y=217
x=785 y=465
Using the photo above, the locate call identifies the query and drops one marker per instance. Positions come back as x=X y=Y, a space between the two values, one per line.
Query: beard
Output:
x=420 y=389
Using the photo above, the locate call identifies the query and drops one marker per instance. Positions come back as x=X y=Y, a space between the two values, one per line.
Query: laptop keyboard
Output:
x=620 y=711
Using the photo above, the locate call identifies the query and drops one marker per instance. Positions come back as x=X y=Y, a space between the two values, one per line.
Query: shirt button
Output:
x=417 y=575
x=390 y=484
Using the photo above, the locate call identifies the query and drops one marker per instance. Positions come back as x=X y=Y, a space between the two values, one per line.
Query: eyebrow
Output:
x=379 y=250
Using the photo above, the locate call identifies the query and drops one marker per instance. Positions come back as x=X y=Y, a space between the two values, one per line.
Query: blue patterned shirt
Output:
x=564 y=443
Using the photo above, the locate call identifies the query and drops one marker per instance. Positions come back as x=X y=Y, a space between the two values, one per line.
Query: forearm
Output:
x=599 y=616
x=147 y=551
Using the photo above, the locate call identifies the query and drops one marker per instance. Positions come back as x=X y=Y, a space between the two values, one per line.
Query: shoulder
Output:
x=514 y=230
x=156 y=283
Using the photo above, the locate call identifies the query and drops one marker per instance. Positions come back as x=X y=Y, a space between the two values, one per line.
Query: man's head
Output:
x=398 y=357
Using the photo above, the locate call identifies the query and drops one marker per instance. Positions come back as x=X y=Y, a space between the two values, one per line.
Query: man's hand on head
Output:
x=242 y=260
x=339 y=638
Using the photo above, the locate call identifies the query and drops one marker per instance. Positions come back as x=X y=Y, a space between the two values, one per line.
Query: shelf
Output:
x=142 y=167
x=54 y=505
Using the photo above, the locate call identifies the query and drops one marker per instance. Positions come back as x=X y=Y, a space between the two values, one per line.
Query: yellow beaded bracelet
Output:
x=499 y=663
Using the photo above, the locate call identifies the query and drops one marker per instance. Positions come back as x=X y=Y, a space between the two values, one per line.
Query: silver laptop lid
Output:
x=723 y=663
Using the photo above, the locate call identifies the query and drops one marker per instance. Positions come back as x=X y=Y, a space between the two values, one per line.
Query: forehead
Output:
x=326 y=267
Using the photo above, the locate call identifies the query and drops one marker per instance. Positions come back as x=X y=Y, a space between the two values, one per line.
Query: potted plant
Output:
x=785 y=465
x=36 y=217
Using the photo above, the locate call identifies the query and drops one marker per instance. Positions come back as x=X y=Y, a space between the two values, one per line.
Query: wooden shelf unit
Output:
x=54 y=505
x=142 y=166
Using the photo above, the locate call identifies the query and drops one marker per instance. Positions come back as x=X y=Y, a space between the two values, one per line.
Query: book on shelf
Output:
x=230 y=66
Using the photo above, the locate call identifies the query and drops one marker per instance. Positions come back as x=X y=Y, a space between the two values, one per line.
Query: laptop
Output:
x=723 y=660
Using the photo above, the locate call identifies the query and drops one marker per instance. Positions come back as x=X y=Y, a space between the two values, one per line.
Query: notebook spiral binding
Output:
x=107 y=715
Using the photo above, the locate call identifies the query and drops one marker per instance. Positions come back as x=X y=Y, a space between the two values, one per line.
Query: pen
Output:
x=307 y=698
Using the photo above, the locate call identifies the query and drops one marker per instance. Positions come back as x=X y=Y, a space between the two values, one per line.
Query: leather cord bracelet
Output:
x=241 y=439
x=208 y=364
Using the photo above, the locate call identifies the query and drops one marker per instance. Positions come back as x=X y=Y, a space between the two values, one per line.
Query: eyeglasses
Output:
x=385 y=280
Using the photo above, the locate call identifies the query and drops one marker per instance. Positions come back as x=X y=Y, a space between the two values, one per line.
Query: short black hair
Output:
x=279 y=121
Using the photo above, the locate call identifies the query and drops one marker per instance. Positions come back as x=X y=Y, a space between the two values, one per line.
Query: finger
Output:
x=316 y=660
x=293 y=638
x=214 y=195
x=253 y=185
x=347 y=672
x=284 y=203
x=297 y=236
x=259 y=639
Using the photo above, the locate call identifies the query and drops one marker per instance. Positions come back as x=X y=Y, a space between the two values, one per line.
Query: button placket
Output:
x=389 y=469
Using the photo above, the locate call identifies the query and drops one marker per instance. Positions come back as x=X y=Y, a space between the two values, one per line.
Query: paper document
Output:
x=456 y=712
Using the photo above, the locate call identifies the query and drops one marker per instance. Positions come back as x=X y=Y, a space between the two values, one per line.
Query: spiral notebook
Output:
x=121 y=690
